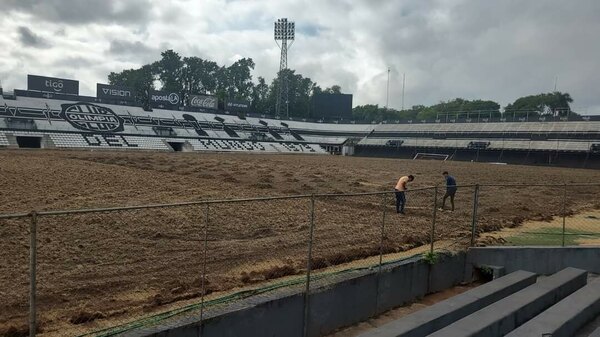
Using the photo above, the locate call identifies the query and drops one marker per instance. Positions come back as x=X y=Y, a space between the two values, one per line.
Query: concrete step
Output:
x=507 y=314
x=596 y=333
x=565 y=317
x=439 y=315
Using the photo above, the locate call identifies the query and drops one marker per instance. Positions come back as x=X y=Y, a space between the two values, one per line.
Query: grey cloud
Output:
x=29 y=39
x=123 y=47
x=134 y=51
x=76 y=62
x=84 y=12
x=480 y=49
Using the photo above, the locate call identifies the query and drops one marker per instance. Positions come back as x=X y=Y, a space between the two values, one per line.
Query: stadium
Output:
x=188 y=212
x=280 y=207
x=32 y=121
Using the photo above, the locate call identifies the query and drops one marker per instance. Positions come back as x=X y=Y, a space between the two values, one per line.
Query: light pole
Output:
x=403 y=83
x=387 y=92
x=284 y=32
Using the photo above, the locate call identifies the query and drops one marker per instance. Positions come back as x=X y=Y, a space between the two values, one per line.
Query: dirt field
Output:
x=101 y=269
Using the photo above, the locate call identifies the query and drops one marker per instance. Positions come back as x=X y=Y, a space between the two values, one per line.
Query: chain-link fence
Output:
x=538 y=215
x=15 y=244
x=101 y=272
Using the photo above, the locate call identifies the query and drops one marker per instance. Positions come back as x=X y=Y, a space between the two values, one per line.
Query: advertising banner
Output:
x=52 y=84
x=105 y=91
x=237 y=106
x=204 y=101
x=168 y=100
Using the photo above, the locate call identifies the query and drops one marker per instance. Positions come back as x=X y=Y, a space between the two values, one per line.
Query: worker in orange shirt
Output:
x=400 y=188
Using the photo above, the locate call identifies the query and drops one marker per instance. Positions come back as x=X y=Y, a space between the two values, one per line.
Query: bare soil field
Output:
x=100 y=269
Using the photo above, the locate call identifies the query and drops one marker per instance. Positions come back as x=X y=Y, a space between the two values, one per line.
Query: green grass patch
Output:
x=550 y=236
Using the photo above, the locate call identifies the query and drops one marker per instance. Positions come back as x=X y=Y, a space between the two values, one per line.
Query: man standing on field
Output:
x=450 y=189
x=400 y=188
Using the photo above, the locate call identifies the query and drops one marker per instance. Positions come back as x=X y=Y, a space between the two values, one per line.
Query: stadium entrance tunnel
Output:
x=180 y=146
x=27 y=142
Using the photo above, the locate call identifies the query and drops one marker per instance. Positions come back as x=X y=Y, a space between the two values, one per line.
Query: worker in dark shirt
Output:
x=450 y=189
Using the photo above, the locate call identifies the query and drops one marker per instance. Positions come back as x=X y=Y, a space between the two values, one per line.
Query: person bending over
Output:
x=400 y=189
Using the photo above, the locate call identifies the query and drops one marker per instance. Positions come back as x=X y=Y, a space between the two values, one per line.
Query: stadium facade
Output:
x=44 y=119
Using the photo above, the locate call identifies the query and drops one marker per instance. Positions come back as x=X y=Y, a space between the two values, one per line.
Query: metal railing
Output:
x=103 y=271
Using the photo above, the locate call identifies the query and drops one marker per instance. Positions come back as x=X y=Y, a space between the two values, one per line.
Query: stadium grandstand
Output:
x=33 y=119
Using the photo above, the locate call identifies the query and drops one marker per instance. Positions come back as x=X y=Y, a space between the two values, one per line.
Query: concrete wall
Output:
x=540 y=260
x=333 y=303
x=349 y=298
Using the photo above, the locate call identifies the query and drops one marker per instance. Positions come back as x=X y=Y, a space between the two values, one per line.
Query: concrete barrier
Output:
x=566 y=317
x=507 y=314
x=335 y=302
x=539 y=260
x=439 y=315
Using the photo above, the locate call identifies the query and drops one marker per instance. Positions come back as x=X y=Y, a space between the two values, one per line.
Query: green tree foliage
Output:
x=170 y=71
x=141 y=79
x=199 y=76
x=554 y=104
x=300 y=91
x=260 y=96
x=457 y=107
x=335 y=89
x=193 y=75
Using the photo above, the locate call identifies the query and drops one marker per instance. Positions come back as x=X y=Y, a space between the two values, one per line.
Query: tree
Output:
x=260 y=96
x=460 y=107
x=239 y=79
x=335 y=89
x=170 y=70
x=300 y=91
x=142 y=80
x=199 y=76
x=554 y=104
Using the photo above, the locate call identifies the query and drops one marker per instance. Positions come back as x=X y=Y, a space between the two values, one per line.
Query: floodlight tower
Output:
x=284 y=32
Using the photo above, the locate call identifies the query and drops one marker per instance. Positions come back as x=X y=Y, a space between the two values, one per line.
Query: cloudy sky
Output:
x=497 y=50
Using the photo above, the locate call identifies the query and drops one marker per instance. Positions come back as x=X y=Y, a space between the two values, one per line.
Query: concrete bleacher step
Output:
x=565 y=317
x=505 y=315
x=441 y=314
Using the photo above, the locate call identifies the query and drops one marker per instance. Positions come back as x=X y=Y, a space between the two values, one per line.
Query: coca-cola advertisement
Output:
x=204 y=101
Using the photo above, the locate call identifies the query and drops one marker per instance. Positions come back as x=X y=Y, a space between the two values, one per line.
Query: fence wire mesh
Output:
x=255 y=248
x=410 y=233
x=346 y=235
x=101 y=270
x=454 y=218
x=14 y=276
x=582 y=215
x=504 y=219
x=106 y=272
x=554 y=215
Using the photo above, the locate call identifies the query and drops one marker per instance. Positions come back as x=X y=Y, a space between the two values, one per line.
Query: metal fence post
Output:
x=203 y=280
x=435 y=194
x=309 y=267
x=383 y=205
x=384 y=199
x=32 y=274
x=564 y=213
x=474 y=219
